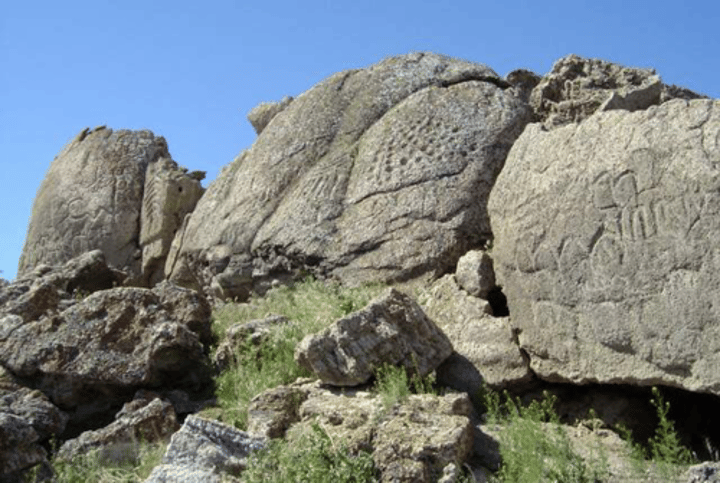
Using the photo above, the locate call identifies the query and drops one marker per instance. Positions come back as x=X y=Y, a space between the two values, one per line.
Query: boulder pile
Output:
x=562 y=230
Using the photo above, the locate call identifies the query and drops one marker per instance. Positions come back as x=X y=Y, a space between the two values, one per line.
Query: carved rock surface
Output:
x=606 y=246
x=141 y=420
x=202 y=450
x=486 y=351
x=351 y=178
x=577 y=87
x=92 y=198
x=392 y=329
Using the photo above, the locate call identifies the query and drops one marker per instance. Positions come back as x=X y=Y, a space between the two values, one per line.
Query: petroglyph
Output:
x=606 y=240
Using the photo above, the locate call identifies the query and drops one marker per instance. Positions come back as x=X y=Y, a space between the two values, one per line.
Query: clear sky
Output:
x=191 y=70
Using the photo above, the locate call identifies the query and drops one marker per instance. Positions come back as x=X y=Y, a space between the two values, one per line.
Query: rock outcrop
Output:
x=89 y=351
x=98 y=193
x=577 y=87
x=606 y=246
x=351 y=180
x=392 y=329
x=414 y=440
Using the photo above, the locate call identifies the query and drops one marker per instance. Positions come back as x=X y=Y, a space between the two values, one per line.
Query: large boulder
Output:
x=117 y=191
x=94 y=350
x=351 y=179
x=392 y=329
x=606 y=246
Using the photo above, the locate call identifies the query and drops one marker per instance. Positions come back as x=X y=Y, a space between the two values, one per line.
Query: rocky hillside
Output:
x=471 y=233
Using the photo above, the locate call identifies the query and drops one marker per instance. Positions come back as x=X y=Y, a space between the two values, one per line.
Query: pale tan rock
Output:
x=392 y=329
x=261 y=115
x=169 y=194
x=475 y=273
x=577 y=87
x=606 y=246
x=351 y=179
x=486 y=349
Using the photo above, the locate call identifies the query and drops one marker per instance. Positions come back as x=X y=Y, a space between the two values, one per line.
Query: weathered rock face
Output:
x=145 y=420
x=169 y=195
x=475 y=273
x=92 y=198
x=94 y=350
x=414 y=440
x=486 y=350
x=392 y=329
x=606 y=246
x=352 y=178
x=202 y=450
x=261 y=115
x=27 y=418
x=578 y=87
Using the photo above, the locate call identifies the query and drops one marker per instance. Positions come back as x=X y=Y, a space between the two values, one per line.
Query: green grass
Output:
x=663 y=456
x=310 y=306
x=127 y=465
x=534 y=445
x=313 y=457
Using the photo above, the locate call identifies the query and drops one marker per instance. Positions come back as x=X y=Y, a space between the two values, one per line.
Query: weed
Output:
x=313 y=457
x=534 y=445
x=311 y=306
x=134 y=465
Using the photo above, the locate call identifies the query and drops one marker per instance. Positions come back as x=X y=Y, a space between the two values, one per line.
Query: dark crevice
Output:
x=498 y=302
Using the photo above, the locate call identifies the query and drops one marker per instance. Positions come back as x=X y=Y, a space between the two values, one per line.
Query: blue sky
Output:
x=190 y=71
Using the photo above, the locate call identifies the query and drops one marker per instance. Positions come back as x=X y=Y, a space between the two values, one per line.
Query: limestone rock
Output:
x=27 y=418
x=205 y=449
x=606 y=246
x=168 y=196
x=486 y=350
x=98 y=193
x=272 y=412
x=261 y=115
x=100 y=348
x=392 y=329
x=141 y=420
x=422 y=437
x=475 y=273
x=350 y=180
x=577 y=87
x=414 y=440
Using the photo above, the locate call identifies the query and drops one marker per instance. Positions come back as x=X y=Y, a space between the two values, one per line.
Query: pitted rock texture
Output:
x=392 y=329
x=577 y=87
x=92 y=198
x=606 y=245
x=352 y=178
x=475 y=273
